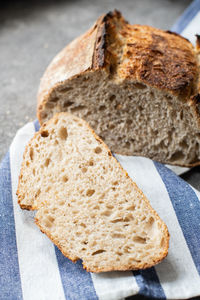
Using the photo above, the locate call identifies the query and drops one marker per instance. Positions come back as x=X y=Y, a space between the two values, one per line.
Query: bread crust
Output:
x=165 y=60
x=74 y=259
x=160 y=59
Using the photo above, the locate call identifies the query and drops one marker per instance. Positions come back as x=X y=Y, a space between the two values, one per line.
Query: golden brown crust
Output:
x=161 y=59
x=198 y=41
x=104 y=25
x=29 y=207
x=85 y=53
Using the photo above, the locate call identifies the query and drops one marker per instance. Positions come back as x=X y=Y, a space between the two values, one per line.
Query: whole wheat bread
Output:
x=86 y=203
x=137 y=86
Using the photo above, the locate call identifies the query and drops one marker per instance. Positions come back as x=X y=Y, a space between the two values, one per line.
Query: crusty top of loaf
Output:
x=159 y=58
x=162 y=59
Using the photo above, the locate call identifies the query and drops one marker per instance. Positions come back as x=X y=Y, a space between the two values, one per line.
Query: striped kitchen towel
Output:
x=32 y=268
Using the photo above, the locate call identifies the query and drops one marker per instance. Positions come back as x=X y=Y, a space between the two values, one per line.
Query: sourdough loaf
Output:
x=86 y=203
x=137 y=87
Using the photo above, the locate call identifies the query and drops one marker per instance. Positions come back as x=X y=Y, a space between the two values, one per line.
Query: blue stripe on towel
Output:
x=10 y=283
x=187 y=208
x=149 y=283
x=36 y=125
x=186 y=17
x=77 y=283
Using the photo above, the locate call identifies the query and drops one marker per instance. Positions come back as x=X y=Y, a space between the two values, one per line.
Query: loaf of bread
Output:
x=135 y=85
x=86 y=203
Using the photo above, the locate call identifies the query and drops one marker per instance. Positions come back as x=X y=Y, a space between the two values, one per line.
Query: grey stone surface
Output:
x=32 y=32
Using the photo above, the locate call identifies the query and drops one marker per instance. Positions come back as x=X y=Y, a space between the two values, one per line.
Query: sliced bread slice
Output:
x=86 y=203
x=137 y=86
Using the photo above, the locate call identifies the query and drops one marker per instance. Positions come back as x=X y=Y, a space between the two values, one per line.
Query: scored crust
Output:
x=130 y=63
x=20 y=193
x=175 y=70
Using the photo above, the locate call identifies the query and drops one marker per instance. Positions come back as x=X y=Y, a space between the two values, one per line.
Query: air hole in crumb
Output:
x=150 y=221
x=98 y=150
x=47 y=162
x=87 y=78
x=139 y=239
x=98 y=252
x=106 y=213
x=61 y=202
x=34 y=172
x=118 y=235
x=112 y=97
x=66 y=89
x=37 y=193
x=119 y=253
x=183 y=144
x=129 y=122
x=51 y=219
x=44 y=133
x=177 y=156
x=55 y=121
x=62 y=133
x=111 y=126
x=90 y=192
x=96 y=207
x=84 y=170
x=131 y=208
x=47 y=189
x=49 y=105
x=43 y=115
x=91 y=163
x=102 y=107
x=67 y=104
x=139 y=86
x=48 y=221
x=27 y=163
x=127 y=249
x=128 y=218
x=117 y=220
x=65 y=178
x=131 y=260
x=77 y=108
x=109 y=206
x=31 y=153
x=115 y=183
x=83 y=225
x=54 y=99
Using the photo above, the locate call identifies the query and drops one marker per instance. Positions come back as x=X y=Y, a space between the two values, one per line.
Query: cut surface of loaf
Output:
x=86 y=203
x=137 y=87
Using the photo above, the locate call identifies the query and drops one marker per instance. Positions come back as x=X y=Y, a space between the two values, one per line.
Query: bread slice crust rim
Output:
x=105 y=269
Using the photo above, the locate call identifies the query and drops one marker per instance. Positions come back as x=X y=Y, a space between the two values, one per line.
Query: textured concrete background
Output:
x=32 y=32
